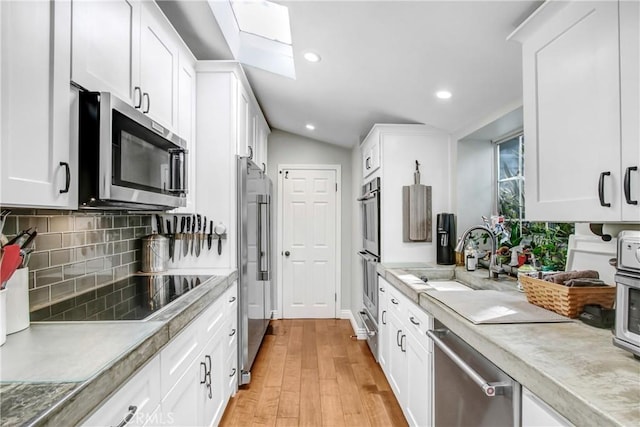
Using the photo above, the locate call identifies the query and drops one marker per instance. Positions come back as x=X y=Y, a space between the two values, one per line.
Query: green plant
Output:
x=549 y=243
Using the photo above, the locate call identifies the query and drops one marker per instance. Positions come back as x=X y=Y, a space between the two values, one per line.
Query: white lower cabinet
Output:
x=189 y=383
x=134 y=402
x=405 y=350
x=536 y=413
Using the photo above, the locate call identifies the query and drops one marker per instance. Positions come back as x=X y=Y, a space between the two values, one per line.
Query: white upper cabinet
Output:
x=580 y=68
x=37 y=167
x=105 y=41
x=158 y=66
x=129 y=48
x=370 y=153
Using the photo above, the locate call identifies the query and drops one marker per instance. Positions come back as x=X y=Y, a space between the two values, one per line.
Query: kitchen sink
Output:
x=418 y=284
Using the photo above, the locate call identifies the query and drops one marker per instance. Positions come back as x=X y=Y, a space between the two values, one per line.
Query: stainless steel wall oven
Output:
x=370 y=256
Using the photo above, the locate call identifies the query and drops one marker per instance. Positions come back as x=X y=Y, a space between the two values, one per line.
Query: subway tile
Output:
x=95 y=265
x=76 y=313
x=101 y=249
x=120 y=222
x=32 y=280
x=62 y=289
x=85 y=252
x=85 y=283
x=127 y=233
x=128 y=257
x=85 y=223
x=49 y=212
x=129 y=292
x=61 y=223
x=48 y=276
x=62 y=256
x=145 y=221
x=134 y=268
x=85 y=297
x=72 y=271
x=142 y=231
x=121 y=309
x=10 y=225
x=104 y=276
x=104 y=221
x=62 y=306
x=106 y=315
x=95 y=236
x=120 y=247
x=135 y=244
x=45 y=242
x=39 y=222
x=39 y=296
x=135 y=221
x=40 y=314
x=112 y=235
x=120 y=272
x=105 y=290
x=113 y=298
x=38 y=260
x=112 y=261
x=96 y=306
x=73 y=239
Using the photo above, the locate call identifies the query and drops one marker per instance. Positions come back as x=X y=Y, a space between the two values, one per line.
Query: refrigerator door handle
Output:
x=264 y=244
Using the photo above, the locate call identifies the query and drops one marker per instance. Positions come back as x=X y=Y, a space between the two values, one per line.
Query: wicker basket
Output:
x=564 y=300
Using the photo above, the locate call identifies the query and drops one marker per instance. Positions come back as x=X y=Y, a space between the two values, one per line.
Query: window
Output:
x=510 y=174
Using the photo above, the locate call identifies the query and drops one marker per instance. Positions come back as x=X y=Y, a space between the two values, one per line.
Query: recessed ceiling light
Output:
x=312 y=57
x=310 y=126
x=443 y=94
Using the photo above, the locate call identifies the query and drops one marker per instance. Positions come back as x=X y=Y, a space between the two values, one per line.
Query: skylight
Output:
x=263 y=18
x=258 y=33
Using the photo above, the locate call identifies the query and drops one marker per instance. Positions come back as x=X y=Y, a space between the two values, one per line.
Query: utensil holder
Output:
x=18 y=301
x=3 y=316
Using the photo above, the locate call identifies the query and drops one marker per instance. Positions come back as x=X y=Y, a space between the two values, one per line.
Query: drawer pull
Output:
x=382 y=290
x=403 y=346
x=414 y=321
x=627 y=185
x=67 y=180
x=127 y=418
x=233 y=372
x=398 y=337
x=394 y=301
x=383 y=317
x=232 y=299
x=233 y=332
x=601 y=190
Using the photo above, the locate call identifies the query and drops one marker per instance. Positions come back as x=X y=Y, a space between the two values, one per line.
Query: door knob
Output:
x=287 y=253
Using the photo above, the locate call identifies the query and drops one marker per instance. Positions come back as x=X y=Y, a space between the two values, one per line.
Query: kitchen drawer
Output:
x=231 y=377
x=418 y=323
x=140 y=396
x=397 y=302
x=212 y=319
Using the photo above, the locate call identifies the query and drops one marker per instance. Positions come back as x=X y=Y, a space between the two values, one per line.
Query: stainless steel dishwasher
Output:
x=469 y=390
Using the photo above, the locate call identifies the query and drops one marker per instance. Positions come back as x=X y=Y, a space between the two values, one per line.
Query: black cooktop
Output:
x=133 y=298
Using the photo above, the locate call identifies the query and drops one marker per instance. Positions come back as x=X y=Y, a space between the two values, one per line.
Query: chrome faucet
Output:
x=494 y=270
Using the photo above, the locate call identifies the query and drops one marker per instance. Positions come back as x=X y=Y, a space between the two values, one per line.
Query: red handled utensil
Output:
x=11 y=260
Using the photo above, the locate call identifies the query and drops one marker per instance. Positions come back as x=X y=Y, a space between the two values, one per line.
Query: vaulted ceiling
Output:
x=382 y=62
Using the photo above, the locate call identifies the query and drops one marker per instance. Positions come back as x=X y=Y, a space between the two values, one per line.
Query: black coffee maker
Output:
x=446 y=238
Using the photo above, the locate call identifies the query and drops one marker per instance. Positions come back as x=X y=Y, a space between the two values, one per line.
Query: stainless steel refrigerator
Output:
x=254 y=262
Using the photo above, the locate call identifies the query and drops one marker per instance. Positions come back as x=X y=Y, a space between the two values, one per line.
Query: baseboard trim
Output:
x=275 y=315
x=359 y=332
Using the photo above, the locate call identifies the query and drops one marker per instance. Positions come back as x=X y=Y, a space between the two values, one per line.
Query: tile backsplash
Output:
x=76 y=251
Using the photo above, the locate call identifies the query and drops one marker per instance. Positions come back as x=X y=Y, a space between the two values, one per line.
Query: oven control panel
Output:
x=629 y=251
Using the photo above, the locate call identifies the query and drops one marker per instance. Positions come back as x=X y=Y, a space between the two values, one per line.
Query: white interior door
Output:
x=309 y=215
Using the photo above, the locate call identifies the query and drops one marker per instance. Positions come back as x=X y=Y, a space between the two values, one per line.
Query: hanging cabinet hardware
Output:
x=601 y=189
x=67 y=181
x=627 y=185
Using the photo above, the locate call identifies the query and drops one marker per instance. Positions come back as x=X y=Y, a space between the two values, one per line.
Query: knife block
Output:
x=416 y=213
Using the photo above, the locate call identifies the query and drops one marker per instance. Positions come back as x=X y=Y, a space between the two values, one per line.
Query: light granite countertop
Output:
x=57 y=373
x=571 y=366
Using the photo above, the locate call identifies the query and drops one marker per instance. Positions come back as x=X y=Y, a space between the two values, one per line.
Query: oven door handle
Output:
x=367 y=256
x=489 y=389
x=365 y=319
x=368 y=196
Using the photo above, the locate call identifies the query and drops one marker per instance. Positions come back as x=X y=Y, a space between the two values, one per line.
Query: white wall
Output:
x=288 y=148
x=474 y=171
x=356 y=235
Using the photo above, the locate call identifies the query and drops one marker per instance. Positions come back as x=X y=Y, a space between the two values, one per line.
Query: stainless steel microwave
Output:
x=126 y=160
x=627 y=327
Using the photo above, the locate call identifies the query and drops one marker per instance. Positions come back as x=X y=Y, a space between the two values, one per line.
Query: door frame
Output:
x=278 y=314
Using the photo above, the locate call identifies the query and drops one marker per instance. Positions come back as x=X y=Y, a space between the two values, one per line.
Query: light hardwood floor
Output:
x=311 y=373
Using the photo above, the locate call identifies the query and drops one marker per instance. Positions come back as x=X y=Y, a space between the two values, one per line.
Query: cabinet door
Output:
x=105 y=42
x=243 y=121
x=139 y=397
x=418 y=398
x=572 y=115
x=158 y=66
x=536 y=413
x=397 y=367
x=630 y=107
x=213 y=402
x=383 y=325
x=37 y=154
x=186 y=122
x=182 y=403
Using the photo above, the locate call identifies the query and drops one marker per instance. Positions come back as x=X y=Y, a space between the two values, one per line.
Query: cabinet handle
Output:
x=403 y=347
x=67 y=181
x=208 y=375
x=414 y=321
x=233 y=372
x=264 y=167
x=233 y=332
x=127 y=418
x=232 y=299
x=146 y=95
x=203 y=378
x=382 y=290
x=384 y=321
x=394 y=301
x=368 y=163
x=601 y=189
x=627 y=185
x=137 y=94
x=250 y=148
x=398 y=337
